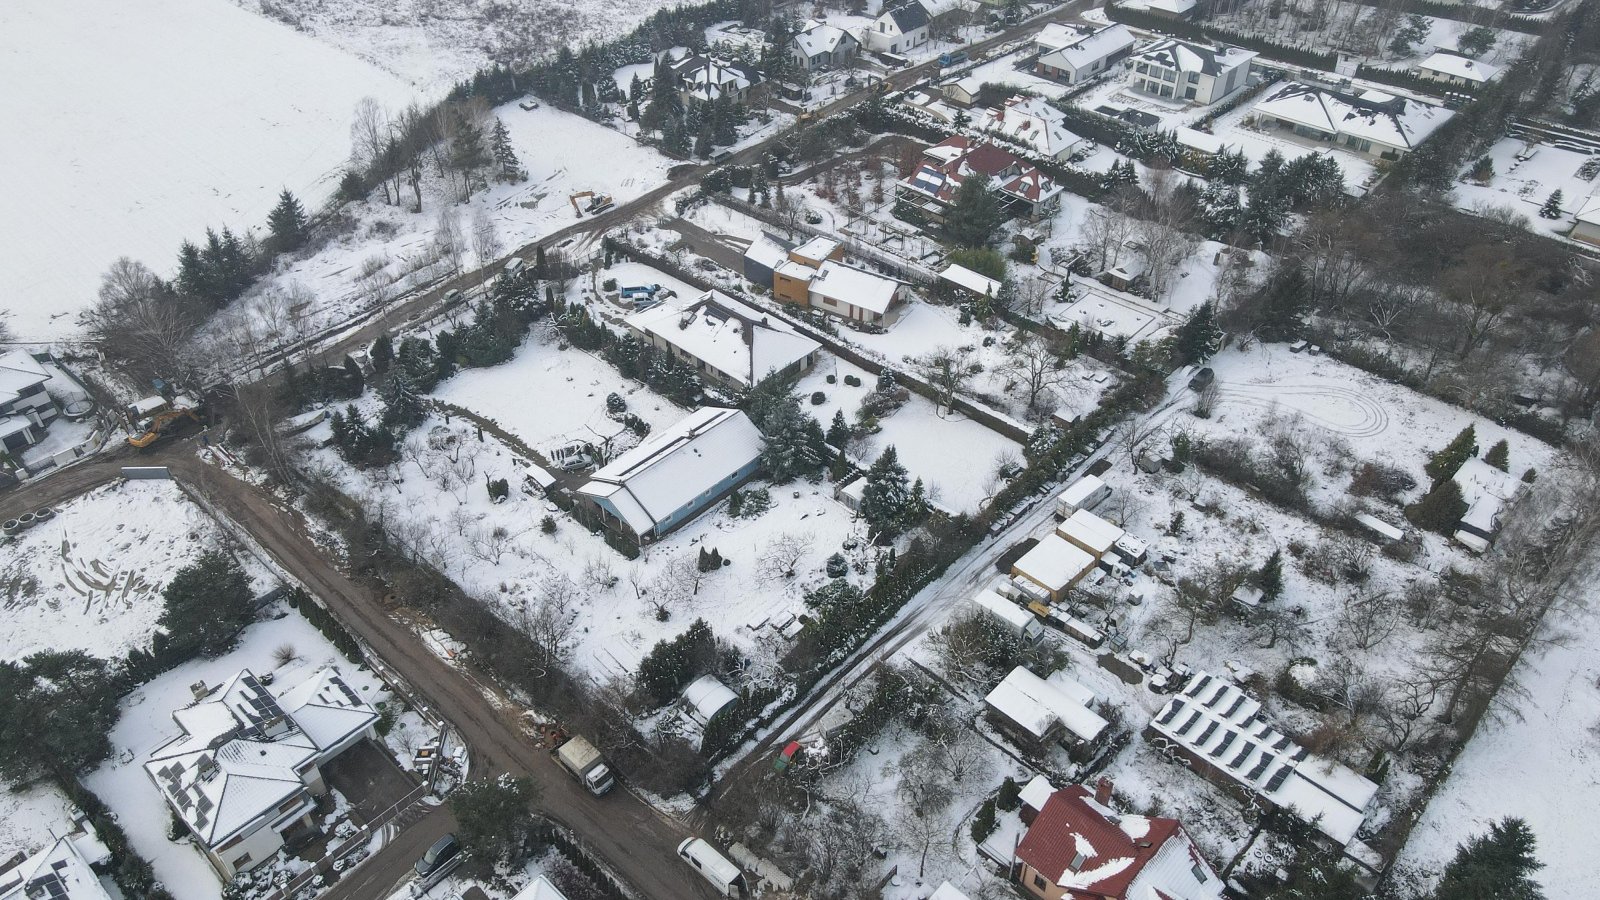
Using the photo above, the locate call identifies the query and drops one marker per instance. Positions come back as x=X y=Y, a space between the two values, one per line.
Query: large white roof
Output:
x=1367 y=114
x=1003 y=609
x=1035 y=704
x=976 y=282
x=1459 y=66
x=1055 y=562
x=857 y=287
x=1184 y=56
x=820 y=37
x=539 y=888
x=61 y=871
x=1031 y=122
x=19 y=372
x=1214 y=719
x=707 y=696
x=736 y=339
x=676 y=465
x=1090 y=532
x=1091 y=48
x=1590 y=211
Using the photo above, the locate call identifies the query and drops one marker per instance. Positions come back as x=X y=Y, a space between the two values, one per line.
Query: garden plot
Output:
x=955 y=456
x=146 y=723
x=31 y=816
x=1523 y=186
x=134 y=165
x=391 y=250
x=91 y=577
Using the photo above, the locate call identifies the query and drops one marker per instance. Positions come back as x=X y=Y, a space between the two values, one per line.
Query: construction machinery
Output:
x=166 y=424
x=598 y=203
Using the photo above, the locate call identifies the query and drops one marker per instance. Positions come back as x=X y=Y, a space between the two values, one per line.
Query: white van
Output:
x=714 y=867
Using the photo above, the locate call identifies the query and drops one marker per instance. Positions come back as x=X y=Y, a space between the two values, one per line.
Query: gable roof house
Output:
x=674 y=474
x=243 y=775
x=1031 y=123
x=1039 y=711
x=1371 y=123
x=1181 y=70
x=1453 y=68
x=728 y=342
x=900 y=28
x=819 y=45
x=1225 y=737
x=1086 y=56
x=26 y=409
x=1487 y=491
x=1079 y=848
x=932 y=187
x=63 y=870
x=814 y=275
x=709 y=78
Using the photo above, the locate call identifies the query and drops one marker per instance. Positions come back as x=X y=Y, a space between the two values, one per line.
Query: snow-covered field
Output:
x=91 y=577
x=209 y=113
x=147 y=723
x=1523 y=186
x=29 y=817
x=1541 y=767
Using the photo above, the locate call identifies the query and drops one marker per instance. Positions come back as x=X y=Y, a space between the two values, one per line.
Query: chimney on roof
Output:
x=199 y=690
x=1102 y=791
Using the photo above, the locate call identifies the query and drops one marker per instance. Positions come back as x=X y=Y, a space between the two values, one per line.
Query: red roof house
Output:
x=1079 y=848
x=947 y=164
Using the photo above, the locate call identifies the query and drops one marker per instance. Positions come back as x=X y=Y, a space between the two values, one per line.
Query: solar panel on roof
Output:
x=1234 y=708
x=1190 y=724
x=1278 y=777
x=1199 y=685
x=1244 y=754
x=1222 y=691
x=354 y=700
x=1282 y=743
x=1171 y=713
x=1299 y=754
x=1259 y=767
x=47 y=886
x=1206 y=735
x=1227 y=739
x=203 y=804
x=182 y=798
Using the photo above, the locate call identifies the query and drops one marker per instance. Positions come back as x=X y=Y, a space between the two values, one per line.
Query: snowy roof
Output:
x=1081 y=490
x=1215 y=720
x=764 y=252
x=737 y=340
x=1173 y=7
x=1090 y=48
x=956 y=158
x=242 y=749
x=857 y=287
x=1183 y=56
x=1055 y=563
x=1367 y=114
x=539 y=888
x=19 y=372
x=672 y=468
x=948 y=891
x=1590 y=211
x=1030 y=122
x=907 y=17
x=1056 y=35
x=709 y=77
x=978 y=283
x=818 y=248
x=1466 y=68
x=1082 y=845
x=820 y=37
x=707 y=696
x=539 y=475
x=61 y=871
x=1203 y=141
x=1003 y=609
x=1090 y=532
x=1036 y=705
x=1486 y=491
x=1036 y=792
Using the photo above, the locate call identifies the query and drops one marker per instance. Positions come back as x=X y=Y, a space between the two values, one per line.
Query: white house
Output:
x=26 y=409
x=1587 y=228
x=1094 y=534
x=1487 y=491
x=1043 y=711
x=63 y=870
x=1181 y=70
x=904 y=26
x=674 y=474
x=820 y=45
x=1365 y=121
x=728 y=342
x=1086 y=56
x=244 y=774
x=539 y=888
x=1031 y=123
x=1224 y=735
x=708 y=78
x=1453 y=68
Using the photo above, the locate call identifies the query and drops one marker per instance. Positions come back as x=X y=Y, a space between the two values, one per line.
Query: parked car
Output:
x=1202 y=379
x=440 y=860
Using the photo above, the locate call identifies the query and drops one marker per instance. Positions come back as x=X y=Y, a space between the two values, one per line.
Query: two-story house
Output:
x=1181 y=70
x=26 y=409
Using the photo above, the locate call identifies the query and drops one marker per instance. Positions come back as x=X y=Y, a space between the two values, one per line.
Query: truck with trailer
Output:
x=584 y=761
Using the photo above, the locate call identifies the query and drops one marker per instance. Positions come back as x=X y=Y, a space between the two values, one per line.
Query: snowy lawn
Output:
x=147 y=723
x=30 y=816
x=207 y=131
x=91 y=577
x=1523 y=186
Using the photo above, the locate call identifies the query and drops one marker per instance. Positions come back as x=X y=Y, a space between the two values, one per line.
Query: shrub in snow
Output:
x=852 y=381
x=818 y=398
x=833 y=379
x=548 y=525
x=838 y=566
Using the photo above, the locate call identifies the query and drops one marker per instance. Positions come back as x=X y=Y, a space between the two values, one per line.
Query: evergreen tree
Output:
x=494 y=819
x=467 y=153
x=287 y=222
x=1499 y=456
x=207 y=603
x=670 y=664
x=1270 y=576
x=1221 y=208
x=1494 y=866
x=402 y=408
x=354 y=377
x=1199 y=337
x=194 y=276
x=886 y=498
x=1229 y=168
x=1444 y=464
x=1441 y=510
x=702 y=143
x=508 y=167
x=382 y=354
x=975 y=215
x=1552 y=206
x=838 y=431
x=58 y=708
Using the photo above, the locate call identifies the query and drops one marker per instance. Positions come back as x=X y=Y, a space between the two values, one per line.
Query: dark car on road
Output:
x=441 y=858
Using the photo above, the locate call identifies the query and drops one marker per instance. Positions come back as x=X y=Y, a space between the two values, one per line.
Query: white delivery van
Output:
x=714 y=867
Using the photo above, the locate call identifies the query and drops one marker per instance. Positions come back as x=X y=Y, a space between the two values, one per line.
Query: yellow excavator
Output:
x=598 y=203
x=166 y=424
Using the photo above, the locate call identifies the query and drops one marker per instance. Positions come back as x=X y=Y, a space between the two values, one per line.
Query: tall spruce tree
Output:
x=1552 y=206
x=1199 y=337
x=1499 y=456
x=1444 y=464
x=1270 y=577
x=287 y=223
x=886 y=499
x=975 y=215
x=467 y=153
x=507 y=166
x=1498 y=865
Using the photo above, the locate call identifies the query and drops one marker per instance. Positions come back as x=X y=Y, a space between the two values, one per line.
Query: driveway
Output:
x=369 y=778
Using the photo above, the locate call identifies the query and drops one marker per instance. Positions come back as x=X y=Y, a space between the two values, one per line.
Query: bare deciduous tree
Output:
x=1032 y=361
x=783 y=553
